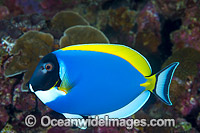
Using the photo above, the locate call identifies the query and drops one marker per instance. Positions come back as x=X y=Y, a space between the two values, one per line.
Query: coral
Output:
x=148 y=33
x=3 y=12
x=8 y=129
x=171 y=9
x=29 y=6
x=3 y=54
x=51 y=7
x=122 y=19
x=198 y=120
x=186 y=82
x=65 y=19
x=184 y=96
x=6 y=85
x=42 y=108
x=27 y=52
x=12 y=29
x=102 y=19
x=62 y=130
x=106 y=129
x=192 y=16
x=57 y=34
x=19 y=106
x=49 y=4
x=148 y=19
x=189 y=33
x=24 y=104
x=147 y=41
x=82 y=35
x=186 y=38
x=4 y=117
x=23 y=101
x=13 y=7
x=93 y=4
x=115 y=130
x=7 y=29
x=7 y=44
x=188 y=59
x=29 y=22
x=184 y=126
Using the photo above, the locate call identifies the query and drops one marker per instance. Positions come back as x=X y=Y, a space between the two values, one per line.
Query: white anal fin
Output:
x=80 y=125
x=130 y=108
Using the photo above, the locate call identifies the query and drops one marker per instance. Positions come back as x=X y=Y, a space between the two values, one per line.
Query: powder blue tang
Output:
x=98 y=79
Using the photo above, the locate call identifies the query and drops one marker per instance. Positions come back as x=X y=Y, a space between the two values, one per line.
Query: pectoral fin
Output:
x=65 y=85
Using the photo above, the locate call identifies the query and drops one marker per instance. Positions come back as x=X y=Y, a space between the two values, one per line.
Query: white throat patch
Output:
x=48 y=95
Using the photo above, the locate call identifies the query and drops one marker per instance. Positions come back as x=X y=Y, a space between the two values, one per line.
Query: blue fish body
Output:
x=103 y=83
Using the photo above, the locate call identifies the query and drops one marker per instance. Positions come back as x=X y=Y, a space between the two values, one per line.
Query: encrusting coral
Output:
x=148 y=35
x=82 y=35
x=27 y=52
x=122 y=19
x=148 y=41
x=65 y=19
x=189 y=33
x=188 y=59
x=29 y=22
x=172 y=8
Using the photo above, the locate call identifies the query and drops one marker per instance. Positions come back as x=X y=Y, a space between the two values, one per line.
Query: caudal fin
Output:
x=163 y=80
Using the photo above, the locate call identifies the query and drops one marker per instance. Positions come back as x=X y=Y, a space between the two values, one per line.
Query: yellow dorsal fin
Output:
x=130 y=55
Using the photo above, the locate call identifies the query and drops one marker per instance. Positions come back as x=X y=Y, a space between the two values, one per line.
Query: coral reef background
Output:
x=164 y=31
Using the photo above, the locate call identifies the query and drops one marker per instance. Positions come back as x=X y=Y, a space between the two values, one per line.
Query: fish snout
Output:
x=30 y=87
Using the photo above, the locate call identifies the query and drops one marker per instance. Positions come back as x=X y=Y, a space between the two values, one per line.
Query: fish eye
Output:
x=48 y=66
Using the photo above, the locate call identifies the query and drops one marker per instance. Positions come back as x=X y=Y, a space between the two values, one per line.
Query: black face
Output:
x=46 y=74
